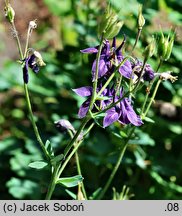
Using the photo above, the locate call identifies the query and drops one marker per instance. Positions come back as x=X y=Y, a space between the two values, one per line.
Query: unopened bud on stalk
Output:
x=150 y=49
x=9 y=13
x=33 y=24
x=141 y=19
x=165 y=46
x=64 y=125
x=110 y=25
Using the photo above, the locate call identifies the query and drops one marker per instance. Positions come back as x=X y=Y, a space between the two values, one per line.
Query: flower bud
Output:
x=9 y=13
x=64 y=125
x=110 y=25
x=141 y=19
x=150 y=49
x=33 y=24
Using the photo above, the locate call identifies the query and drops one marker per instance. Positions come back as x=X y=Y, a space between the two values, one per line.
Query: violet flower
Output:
x=148 y=74
x=109 y=59
x=87 y=92
x=30 y=62
x=122 y=112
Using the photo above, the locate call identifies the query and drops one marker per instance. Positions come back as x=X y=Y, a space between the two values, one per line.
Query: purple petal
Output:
x=131 y=115
x=149 y=73
x=31 y=60
x=89 y=50
x=25 y=71
x=126 y=69
x=102 y=68
x=106 y=48
x=35 y=68
x=123 y=118
x=111 y=116
x=83 y=91
x=84 y=109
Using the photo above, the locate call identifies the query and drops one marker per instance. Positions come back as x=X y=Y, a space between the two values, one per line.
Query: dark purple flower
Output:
x=109 y=59
x=148 y=73
x=30 y=62
x=123 y=112
x=87 y=92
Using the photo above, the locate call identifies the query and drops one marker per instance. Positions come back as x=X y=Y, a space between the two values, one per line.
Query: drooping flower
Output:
x=30 y=62
x=33 y=61
x=110 y=58
x=148 y=73
x=122 y=112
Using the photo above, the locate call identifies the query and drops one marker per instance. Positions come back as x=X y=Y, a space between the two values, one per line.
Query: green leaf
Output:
x=121 y=134
x=95 y=194
x=74 y=196
x=57 y=159
x=38 y=164
x=103 y=98
x=142 y=139
x=147 y=119
x=70 y=181
x=23 y=189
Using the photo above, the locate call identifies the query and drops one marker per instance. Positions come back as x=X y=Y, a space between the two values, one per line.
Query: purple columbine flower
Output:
x=148 y=74
x=109 y=59
x=123 y=112
x=30 y=62
x=87 y=92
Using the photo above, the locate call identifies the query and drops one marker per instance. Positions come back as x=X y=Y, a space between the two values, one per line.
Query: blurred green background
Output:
x=152 y=167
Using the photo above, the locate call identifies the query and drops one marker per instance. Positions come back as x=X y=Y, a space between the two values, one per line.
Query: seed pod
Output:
x=165 y=46
x=169 y=47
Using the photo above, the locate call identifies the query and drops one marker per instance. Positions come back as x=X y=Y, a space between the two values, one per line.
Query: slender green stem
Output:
x=78 y=166
x=73 y=140
x=140 y=76
x=61 y=167
x=153 y=96
x=33 y=122
x=149 y=88
x=106 y=84
x=121 y=154
x=52 y=184
x=137 y=39
x=92 y=101
x=73 y=151
x=80 y=173
x=27 y=42
x=17 y=40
